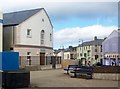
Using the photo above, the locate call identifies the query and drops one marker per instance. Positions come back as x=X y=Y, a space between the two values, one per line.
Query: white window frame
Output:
x=29 y=33
x=50 y=37
x=42 y=35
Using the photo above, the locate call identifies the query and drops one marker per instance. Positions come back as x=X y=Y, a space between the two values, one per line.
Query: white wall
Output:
x=1 y=33
x=66 y=55
x=35 y=23
x=91 y=54
x=59 y=54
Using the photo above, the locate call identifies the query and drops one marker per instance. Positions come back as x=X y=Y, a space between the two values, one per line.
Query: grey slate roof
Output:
x=57 y=51
x=16 y=18
x=69 y=49
x=93 y=42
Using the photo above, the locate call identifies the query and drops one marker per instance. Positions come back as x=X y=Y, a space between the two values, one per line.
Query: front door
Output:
x=42 y=58
x=53 y=60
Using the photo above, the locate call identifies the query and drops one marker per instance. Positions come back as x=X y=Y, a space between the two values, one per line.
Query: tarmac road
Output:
x=57 y=78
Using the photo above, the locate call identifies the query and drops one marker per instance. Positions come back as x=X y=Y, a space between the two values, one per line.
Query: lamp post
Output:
x=80 y=60
x=62 y=52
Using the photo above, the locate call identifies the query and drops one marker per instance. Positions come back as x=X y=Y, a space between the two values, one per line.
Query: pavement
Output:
x=57 y=78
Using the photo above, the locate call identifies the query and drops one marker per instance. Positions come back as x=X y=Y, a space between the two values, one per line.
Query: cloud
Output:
x=61 y=10
x=70 y=36
x=64 y=10
x=84 y=10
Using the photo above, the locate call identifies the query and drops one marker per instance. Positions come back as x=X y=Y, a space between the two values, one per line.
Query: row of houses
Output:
x=95 y=51
x=86 y=51
x=30 y=32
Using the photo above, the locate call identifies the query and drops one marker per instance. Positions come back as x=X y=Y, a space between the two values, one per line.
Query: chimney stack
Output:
x=70 y=47
x=105 y=38
x=95 y=38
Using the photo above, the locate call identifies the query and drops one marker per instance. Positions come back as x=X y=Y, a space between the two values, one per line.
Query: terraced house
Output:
x=30 y=33
x=90 y=51
x=70 y=53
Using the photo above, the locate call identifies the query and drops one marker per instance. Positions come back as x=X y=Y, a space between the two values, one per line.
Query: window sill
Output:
x=28 y=36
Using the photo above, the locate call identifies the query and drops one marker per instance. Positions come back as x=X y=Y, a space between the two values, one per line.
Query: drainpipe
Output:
x=62 y=53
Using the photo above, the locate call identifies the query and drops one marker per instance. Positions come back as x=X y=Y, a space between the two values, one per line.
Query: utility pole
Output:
x=80 y=60
x=62 y=52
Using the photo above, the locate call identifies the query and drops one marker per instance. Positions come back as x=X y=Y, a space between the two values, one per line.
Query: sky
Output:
x=73 y=20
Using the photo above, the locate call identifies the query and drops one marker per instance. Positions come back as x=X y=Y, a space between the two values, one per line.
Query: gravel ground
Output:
x=57 y=78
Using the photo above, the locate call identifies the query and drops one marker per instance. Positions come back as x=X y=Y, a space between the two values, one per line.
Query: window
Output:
x=96 y=57
x=28 y=55
x=42 y=36
x=88 y=52
x=29 y=58
x=68 y=56
x=95 y=50
x=71 y=56
x=29 y=33
x=81 y=54
x=95 y=45
x=85 y=55
x=42 y=20
x=50 y=37
x=11 y=48
x=42 y=41
x=101 y=48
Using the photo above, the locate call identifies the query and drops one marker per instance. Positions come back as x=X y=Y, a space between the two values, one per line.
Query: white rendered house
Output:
x=29 y=32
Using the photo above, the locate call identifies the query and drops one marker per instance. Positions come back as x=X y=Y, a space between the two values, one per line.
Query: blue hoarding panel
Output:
x=9 y=61
x=1 y=21
x=0 y=60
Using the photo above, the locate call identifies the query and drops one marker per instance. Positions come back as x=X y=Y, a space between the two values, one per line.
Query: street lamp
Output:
x=80 y=60
x=62 y=52
x=82 y=45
